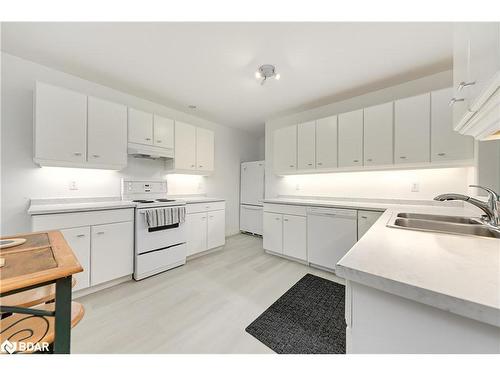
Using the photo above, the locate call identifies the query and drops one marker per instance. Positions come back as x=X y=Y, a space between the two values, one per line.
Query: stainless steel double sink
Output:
x=443 y=224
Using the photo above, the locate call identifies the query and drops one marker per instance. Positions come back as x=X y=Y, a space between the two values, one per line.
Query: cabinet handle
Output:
x=285 y=219
x=463 y=85
x=147 y=139
x=96 y=156
x=277 y=218
x=292 y=166
x=319 y=163
x=200 y=166
x=402 y=157
x=454 y=100
x=369 y=159
x=80 y=235
x=442 y=154
x=193 y=166
x=211 y=217
x=77 y=153
x=364 y=217
x=100 y=232
x=309 y=163
x=158 y=141
x=355 y=160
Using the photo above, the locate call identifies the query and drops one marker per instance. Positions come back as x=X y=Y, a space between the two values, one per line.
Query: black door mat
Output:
x=307 y=319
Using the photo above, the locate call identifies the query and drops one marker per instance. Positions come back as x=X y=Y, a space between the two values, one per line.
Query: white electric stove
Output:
x=156 y=249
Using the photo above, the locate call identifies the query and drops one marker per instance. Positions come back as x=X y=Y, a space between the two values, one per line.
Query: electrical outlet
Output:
x=297 y=187
x=72 y=185
x=415 y=187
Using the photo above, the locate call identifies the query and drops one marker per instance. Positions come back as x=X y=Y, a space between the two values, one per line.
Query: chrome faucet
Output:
x=490 y=208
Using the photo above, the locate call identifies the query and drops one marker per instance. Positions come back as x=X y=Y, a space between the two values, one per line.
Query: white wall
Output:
x=380 y=184
x=21 y=179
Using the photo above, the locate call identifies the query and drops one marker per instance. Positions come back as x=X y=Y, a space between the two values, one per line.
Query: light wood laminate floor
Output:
x=201 y=307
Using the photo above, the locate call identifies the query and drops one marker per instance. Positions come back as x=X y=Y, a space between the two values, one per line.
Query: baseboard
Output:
x=97 y=288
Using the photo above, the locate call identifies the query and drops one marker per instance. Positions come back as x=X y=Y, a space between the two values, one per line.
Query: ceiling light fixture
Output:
x=267 y=71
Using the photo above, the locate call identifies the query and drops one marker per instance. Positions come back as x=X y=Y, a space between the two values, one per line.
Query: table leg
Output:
x=62 y=338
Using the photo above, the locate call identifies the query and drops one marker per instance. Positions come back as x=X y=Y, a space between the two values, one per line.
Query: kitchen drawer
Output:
x=285 y=209
x=161 y=260
x=80 y=219
x=192 y=208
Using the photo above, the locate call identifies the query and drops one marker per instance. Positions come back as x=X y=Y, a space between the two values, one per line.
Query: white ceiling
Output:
x=212 y=65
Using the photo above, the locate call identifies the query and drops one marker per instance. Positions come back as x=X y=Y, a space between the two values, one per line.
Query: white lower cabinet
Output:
x=197 y=232
x=79 y=241
x=111 y=246
x=273 y=232
x=102 y=241
x=216 y=235
x=365 y=220
x=206 y=226
x=294 y=236
x=285 y=230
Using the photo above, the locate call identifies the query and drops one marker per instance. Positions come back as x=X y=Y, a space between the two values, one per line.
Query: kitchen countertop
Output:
x=60 y=205
x=456 y=273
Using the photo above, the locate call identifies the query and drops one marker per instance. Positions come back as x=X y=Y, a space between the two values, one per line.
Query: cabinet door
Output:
x=163 y=129
x=107 y=132
x=294 y=236
x=326 y=142
x=79 y=241
x=351 y=139
x=216 y=229
x=484 y=58
x=461 y=72
x=378 y=134
x=273 y=232
x=365 y=220
x=204 y=149
x=412 y=129
x=285 y=149
x=112 y=252
x=196 y=233
x=447 y=144
x=60 y=124
x=140 y=127
x=185 y=146
x=306 y=145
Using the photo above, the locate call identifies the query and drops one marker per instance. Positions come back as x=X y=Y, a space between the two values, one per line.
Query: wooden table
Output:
x=45 y=258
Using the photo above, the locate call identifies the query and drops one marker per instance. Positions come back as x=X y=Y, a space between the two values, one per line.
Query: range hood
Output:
x=149 y=152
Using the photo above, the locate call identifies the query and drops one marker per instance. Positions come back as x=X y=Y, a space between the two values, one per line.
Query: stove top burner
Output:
x=143 y=201
x=165 y=200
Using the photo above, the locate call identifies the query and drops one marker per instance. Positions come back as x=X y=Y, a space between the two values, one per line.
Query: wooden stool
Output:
x=25 y=328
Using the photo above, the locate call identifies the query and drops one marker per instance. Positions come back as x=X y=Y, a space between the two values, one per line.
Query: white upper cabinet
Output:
x=412 y=129
x=306 y=145
x=60 y=125
x=185 y=146
x=204 y=149
x=484 y=58
x=140 y=127
x=285 y=149
x=378 y=134
x=194 y=150
x=326 y=142
x=163 y=132
x=107 y=121
x=351 y=139
x=446 y=144
x=476 y=79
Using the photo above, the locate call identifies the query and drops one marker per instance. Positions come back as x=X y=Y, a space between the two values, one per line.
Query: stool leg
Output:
x=62 y=339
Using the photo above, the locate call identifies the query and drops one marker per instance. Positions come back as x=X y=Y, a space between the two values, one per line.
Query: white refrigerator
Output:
x=251 y=196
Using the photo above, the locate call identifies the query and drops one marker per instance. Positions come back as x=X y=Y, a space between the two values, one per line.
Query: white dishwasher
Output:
x=331 y=232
